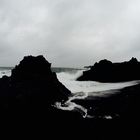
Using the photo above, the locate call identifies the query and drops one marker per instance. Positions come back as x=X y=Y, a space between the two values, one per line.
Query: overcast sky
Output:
x=70 y=33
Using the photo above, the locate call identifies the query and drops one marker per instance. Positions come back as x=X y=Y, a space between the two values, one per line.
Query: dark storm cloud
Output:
x=69 y=32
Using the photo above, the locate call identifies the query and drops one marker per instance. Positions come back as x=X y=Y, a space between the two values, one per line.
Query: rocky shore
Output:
x=27 y=100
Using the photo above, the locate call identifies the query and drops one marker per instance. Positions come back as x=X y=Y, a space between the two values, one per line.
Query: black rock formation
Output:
x=29 y=93
x=32 y=84
x=106 y=71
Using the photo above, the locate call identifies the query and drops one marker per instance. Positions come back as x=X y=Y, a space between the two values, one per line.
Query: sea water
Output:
x=68 y=78
x=5 y=71
x=80 y=89
x=83 y=89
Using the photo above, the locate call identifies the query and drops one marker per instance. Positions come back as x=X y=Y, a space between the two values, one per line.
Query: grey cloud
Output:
x=69 y=32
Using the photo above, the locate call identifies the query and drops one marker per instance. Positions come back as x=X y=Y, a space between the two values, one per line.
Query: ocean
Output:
x=80 y=89
x=5 y=71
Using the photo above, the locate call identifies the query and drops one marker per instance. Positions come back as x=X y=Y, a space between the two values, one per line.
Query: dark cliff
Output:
x=106 y=71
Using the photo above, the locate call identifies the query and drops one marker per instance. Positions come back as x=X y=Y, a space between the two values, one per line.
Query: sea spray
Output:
x=5 y=71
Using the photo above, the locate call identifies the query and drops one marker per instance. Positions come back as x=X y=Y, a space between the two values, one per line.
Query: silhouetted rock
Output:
x=28 y=96
x=32 y=84
x=106 y=71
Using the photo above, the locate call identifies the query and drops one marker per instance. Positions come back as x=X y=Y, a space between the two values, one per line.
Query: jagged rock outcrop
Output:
x=34 y=87
x=32 y=84
x=106 y=71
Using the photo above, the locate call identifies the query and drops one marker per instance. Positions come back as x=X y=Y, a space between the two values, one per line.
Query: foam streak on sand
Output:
x=71 y=106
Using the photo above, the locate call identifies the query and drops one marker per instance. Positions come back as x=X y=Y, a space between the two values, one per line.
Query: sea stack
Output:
x=32 y=84
x=106 y=71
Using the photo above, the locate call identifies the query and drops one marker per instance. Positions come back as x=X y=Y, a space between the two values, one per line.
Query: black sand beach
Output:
x=27 y=101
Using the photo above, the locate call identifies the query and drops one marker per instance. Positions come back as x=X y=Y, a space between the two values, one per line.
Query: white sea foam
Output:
x=5 y=72
x=83 y=89
x=69 y=80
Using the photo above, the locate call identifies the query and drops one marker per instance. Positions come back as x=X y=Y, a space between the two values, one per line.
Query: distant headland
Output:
x=106 y=71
